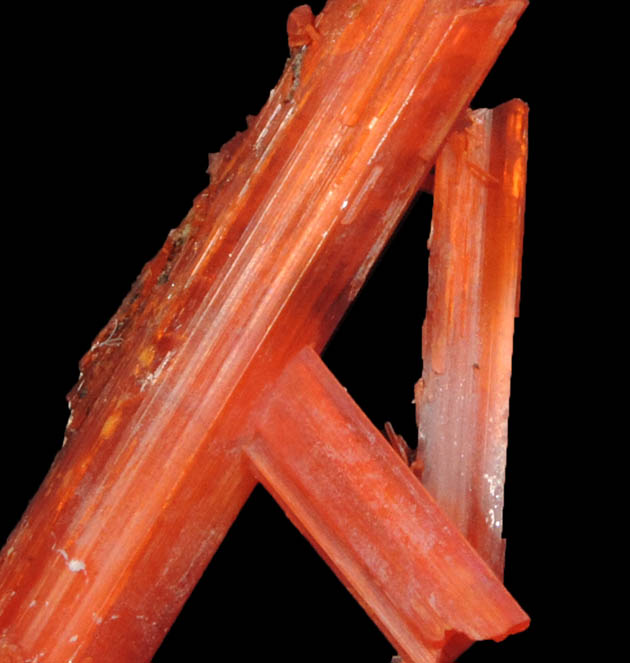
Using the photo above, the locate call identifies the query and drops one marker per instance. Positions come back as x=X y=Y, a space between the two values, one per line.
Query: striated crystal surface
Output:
x=151 y=474
x=474 y=275
x=357 y=501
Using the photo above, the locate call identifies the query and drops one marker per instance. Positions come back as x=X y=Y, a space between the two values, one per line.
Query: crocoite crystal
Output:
x=154 y=467
x=354 y=498
x=474 y=276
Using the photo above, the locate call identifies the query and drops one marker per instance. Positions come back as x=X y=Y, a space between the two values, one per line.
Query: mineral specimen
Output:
x=154 y=467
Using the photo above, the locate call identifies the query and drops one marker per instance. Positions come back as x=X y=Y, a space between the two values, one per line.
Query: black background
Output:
x=113 y=114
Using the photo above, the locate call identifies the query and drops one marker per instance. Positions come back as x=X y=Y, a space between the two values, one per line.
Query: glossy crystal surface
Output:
x=362 y=508
x=474 y=278
x=152 y=471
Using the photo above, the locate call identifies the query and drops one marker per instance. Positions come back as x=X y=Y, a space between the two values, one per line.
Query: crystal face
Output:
x=474 y=276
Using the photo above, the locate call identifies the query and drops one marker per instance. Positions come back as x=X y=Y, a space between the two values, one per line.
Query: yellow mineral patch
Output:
x=147 y=355
x=111 y=424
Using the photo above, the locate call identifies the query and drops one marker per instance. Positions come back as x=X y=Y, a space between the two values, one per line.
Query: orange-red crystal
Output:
x=474 y=276
x=153 y=471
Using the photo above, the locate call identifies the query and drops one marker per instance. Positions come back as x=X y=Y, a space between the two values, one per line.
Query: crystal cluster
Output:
x=207 y=380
